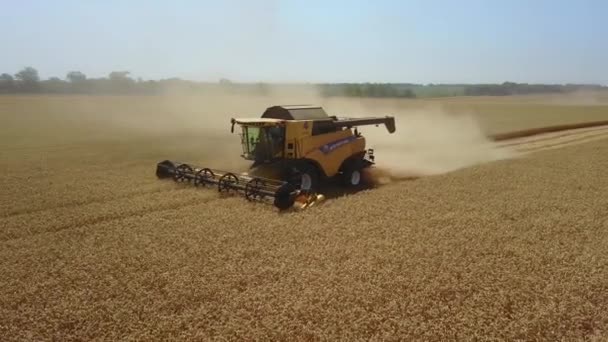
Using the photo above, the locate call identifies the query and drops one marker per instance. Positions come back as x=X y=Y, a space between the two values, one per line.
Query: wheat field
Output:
x=94 y=247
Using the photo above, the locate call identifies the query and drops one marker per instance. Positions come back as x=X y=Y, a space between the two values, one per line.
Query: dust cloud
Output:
x=430 y=142
x=209 y=112
x=195 y=126
x=579 y=98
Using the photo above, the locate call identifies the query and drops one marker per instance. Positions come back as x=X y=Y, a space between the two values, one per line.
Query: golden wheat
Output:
x=94 y=247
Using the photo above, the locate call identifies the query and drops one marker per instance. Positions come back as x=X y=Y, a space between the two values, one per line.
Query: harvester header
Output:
x=282 y=194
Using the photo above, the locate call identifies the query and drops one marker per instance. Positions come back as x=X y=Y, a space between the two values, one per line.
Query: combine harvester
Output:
x=297 y=149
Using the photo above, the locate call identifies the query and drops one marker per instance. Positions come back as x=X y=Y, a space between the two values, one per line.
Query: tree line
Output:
x=28 y=80
x=511 y=88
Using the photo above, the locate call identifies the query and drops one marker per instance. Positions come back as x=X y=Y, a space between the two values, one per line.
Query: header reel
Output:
x=282 y=194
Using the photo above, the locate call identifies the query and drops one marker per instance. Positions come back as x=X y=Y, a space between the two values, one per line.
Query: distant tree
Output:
x=28 y=79
x=6 y=78
x=28 y=75
x=120 y=82
x=6 y=83
x=408 y=93
x=54 y=85
x=76 y=76
x=119 y=76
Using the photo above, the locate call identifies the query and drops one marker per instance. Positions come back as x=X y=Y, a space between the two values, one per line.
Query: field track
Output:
x=552 y=137
x=546 y=129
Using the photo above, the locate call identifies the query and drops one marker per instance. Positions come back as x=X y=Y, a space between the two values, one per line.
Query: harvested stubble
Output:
x=514 y=249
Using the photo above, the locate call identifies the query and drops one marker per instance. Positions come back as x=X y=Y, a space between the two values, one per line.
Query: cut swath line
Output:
x=131 y=194
x=562 y=143
x=544 y=130
x=116 y=218
x=548 y=136
x=76 y=203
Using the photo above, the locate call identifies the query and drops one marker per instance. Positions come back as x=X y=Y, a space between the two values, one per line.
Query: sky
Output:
x=417 y=41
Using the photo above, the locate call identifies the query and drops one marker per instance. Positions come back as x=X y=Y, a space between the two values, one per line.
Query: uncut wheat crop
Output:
x=94 y=247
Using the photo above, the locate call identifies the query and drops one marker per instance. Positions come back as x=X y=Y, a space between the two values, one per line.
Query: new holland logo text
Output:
x=335 y=144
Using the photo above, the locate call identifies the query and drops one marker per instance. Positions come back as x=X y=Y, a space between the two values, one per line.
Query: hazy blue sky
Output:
x=330 y=41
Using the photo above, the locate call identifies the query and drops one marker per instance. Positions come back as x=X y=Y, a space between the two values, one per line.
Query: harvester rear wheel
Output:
x=352 y=173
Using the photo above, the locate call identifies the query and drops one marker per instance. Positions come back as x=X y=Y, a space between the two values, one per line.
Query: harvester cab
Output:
x=293 y=150
x=263 y=140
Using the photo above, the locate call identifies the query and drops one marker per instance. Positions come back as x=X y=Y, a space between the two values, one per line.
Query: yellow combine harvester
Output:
x=296 y=149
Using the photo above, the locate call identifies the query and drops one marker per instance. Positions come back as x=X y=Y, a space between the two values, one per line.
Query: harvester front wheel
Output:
x=306 y=177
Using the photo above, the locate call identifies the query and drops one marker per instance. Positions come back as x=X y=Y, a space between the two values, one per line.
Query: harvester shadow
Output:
x=334 y=191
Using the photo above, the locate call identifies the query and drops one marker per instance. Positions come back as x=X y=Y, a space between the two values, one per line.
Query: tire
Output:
x=352 y=173
x=283 y=199
x=305 y=177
